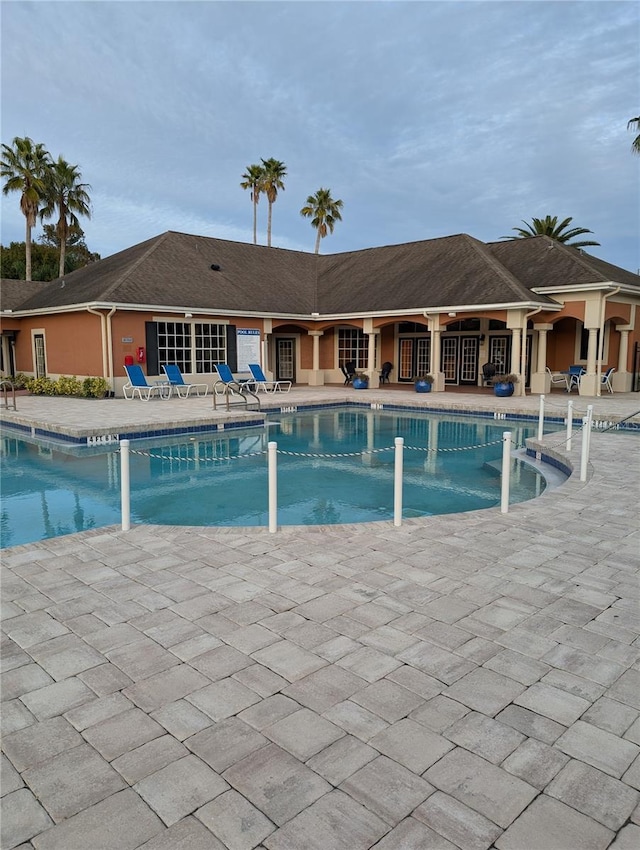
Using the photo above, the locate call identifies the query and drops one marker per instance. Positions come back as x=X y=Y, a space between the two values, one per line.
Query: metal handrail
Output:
x=4 y=385
x=240 y=390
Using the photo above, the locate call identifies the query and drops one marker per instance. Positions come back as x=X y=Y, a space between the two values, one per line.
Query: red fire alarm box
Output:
x=128 y=360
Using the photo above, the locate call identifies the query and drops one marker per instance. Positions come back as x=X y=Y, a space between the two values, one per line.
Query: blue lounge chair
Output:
x=261 y=381
x=137 y=384
x=178 y=383
x=227 y=381
x=605 y=378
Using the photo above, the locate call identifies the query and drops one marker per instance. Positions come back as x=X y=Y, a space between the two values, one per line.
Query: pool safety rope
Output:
x=313 y=454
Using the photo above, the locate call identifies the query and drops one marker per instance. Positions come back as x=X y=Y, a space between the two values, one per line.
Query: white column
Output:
x=436 y=348
x=374 y=377
x=542 y=349
x=624 y=349
x=316 y=376
x=592 y=351
x=515 y=351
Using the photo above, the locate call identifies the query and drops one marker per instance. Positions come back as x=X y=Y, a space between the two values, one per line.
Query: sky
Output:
x=426 y=119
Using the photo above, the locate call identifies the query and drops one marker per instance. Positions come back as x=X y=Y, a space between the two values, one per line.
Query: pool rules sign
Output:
x=248 y=341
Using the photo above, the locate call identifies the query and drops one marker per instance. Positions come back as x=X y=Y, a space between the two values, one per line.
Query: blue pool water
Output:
x=52 y=490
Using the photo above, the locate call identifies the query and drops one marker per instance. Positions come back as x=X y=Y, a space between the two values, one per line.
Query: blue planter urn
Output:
x=360 y=384
x=503 y=390
x=422 y=387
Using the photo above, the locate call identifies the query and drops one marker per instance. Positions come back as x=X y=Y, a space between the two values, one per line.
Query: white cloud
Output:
x=425 y=118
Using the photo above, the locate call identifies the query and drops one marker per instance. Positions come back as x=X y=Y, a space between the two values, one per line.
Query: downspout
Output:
x=105 y=337
x=523 y=348
x=601 y=340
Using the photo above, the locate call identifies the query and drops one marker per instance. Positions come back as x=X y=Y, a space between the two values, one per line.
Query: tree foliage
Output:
x=549 y=226
x=253 y=179
x=46 y=187
x=634 y=124
x=68 y=197
x=24 y=167
x=324 y=212
x=272 y=182
x=45 y=257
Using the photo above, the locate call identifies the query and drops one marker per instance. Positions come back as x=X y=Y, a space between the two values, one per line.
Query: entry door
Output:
x=460 y=359
x=39 y=357
x=415 y=358
x=469 y=360
x=450 y=359
x=285 y=359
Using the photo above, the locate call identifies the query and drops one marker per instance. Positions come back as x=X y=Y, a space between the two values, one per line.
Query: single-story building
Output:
x=443 y=306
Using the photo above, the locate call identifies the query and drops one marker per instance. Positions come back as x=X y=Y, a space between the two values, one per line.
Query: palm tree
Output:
x=323 y=212
x=25 y=165
x=549 y=227
x=634 y=124
x=253 y=179
x=274 y=174
x=65 y=193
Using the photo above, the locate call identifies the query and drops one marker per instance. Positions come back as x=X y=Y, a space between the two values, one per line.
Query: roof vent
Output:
x=215 y=267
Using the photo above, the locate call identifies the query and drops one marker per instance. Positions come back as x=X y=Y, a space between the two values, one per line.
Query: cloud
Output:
x=424 y=118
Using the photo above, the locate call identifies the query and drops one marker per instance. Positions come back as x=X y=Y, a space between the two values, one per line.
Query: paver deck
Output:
x=466 y=681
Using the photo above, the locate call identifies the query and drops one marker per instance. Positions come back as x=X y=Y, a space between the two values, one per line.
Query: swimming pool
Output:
x=340 y=471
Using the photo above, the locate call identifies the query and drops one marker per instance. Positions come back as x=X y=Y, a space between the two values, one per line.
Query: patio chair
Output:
x=575 y=373
x=385 y=371
x=261 y=382
x=556 y=379
x=226 y=381
x=137 y=384
x=606 y=378
x=178 y=383
x=349 y=371
x=489 y=371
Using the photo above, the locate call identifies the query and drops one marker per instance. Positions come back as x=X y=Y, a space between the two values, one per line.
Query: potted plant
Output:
x=360 y=381
x=423 y=383
x=503 y=385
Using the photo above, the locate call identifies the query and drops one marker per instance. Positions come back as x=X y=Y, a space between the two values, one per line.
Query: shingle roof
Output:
x=174 y=270
x=540 y=261
x=14 y=292
x=434 y=273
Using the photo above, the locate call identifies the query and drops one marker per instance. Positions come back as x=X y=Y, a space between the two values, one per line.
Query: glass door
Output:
x=40 y=366
x=414 y=357
x=469 y=360
x=285 y=359
x=450 y=359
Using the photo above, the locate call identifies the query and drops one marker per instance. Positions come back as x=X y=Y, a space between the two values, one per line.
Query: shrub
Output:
x=41 y=386
x=94 y=387
x=68 y=386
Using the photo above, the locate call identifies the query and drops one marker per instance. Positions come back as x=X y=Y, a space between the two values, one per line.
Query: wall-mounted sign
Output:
x=127 y=339
x=248 y=342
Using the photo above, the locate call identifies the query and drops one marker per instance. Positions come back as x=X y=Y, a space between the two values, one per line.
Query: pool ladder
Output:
x=5 y=386
x=242 y=395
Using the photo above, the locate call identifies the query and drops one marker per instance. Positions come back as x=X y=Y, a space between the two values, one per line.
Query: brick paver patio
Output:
x=465 y=681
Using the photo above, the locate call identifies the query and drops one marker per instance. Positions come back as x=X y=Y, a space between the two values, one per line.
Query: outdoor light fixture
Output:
x=188 y=315
x=451 y=314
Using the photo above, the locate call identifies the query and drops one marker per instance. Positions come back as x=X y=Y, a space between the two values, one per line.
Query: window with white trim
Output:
x=211 y=346
x=192 y=344
x=353 y=345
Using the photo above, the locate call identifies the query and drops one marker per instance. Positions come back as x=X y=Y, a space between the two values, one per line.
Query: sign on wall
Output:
x=248 y=347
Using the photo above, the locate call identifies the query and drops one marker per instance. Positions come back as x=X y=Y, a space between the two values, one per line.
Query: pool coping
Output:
x=218 y=422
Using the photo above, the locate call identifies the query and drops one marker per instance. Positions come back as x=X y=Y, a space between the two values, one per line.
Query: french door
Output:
x=414 y=357
x=460 y=359
x=285 y=359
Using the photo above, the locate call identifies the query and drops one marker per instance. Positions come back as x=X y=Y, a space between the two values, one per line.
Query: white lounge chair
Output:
x=178 y=383
x=263 y=383
x=137 y=384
